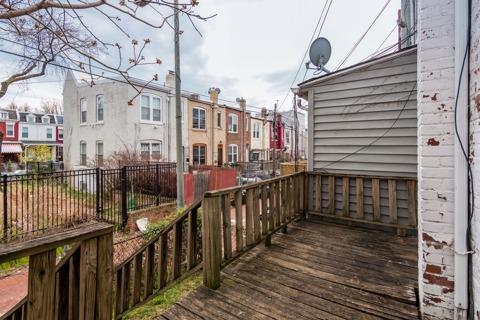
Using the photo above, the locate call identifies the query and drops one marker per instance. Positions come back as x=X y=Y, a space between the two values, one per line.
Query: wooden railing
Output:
x=384 y=201
x=236 y=219
x=167 y=257
x=79 y=286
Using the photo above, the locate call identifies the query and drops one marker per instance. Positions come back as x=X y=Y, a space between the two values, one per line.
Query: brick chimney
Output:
x=214 y=92
x=243 y=103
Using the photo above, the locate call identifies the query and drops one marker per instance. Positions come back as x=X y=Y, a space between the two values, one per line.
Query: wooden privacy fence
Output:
x=236 y=219
x=169 y=255
x=78 y=286
x=384 y=201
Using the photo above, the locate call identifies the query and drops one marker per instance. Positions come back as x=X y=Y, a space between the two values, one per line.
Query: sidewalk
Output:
x=13 y=288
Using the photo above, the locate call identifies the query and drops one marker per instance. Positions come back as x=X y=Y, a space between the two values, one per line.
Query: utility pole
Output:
x=178 y=109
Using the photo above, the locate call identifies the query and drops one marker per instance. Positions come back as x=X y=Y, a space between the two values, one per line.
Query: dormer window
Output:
x=45 y=119
x=31 y=118
x=3 y=115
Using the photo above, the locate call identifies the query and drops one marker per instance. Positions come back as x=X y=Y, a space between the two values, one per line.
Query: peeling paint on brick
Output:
x=432 y=242
x=433 y=142
x=477 y=102
x=434 y=97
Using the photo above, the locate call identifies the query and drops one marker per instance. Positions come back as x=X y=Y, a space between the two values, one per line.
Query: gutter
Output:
x=460 y=161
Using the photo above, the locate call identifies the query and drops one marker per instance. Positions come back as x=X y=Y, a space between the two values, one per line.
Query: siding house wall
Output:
x=353 y=110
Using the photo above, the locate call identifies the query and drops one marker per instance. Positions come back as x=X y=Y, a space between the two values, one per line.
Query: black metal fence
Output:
x=35 y=202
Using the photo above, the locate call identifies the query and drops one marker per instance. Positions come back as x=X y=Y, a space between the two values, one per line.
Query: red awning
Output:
x=11 y=148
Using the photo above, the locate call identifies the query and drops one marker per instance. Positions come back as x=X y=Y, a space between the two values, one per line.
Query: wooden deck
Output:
x=317 y=270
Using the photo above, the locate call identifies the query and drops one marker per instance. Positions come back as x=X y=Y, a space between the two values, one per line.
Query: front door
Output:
x=220 y=155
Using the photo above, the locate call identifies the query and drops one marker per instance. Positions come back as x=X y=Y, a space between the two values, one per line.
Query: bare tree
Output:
x=25 y=108
x=57 y=33
x=12 y=106
x=51 y=106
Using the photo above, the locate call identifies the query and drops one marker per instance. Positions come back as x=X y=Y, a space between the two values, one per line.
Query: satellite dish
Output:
x=320 y=52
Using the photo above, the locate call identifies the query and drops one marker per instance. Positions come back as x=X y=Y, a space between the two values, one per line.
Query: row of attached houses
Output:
x=101 y=123
x=23 y=130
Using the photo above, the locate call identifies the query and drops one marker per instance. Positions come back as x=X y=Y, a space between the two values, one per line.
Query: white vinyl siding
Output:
x=365 y=121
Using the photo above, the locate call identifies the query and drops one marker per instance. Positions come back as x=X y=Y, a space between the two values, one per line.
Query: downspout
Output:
x=461 y=165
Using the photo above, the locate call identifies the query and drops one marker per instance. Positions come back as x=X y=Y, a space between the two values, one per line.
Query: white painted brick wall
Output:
x=475 y=144
x=435 y=163
x=435 y=174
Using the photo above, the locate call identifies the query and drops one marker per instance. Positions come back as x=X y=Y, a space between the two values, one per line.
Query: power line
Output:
x=306 y=51
x=342 y=62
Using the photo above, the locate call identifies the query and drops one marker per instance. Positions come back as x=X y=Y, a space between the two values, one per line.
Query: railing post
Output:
x=97 y=192
x=5 y=207
x=123 y=197
x=212 y=250
x=157 y=184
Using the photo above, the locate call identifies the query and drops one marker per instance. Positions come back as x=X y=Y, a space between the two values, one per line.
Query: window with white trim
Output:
x=99 y=153
x=25 y=132
x=199 y=152
x=60 y=133
x=232 y=123
x=287 y=137
x=83 y=153
x=151 y=150
x=31 y=118
x=49 y=133
x=3 y=115
x=198 y=118
x=83 y=110
x=256 y=130
x=45 y=119
x=151 y=108
x=10 y=130
x=232 y=153
x=100 y=107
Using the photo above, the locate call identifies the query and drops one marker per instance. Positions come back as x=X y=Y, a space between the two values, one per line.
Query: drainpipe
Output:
x=461 y=169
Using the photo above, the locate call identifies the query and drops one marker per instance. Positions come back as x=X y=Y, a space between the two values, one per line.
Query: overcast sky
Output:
x=252 y=48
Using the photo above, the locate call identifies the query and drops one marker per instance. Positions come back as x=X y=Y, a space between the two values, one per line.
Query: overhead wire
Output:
x=306 y=51
x=342 y=62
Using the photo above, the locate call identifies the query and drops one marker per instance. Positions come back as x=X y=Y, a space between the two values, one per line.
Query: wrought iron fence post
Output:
x=157 y=184
x=97 y=191
x=5 y=208
x=123 y=197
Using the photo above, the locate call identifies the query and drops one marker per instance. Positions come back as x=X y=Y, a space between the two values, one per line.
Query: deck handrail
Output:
x=78 y=286
x=269 y=206
x=384 y=201
x=136 y=280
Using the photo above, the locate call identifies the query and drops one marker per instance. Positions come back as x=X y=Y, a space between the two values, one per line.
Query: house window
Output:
x=46 y=119
x=150 y=151
x=156 y=109
x=49 y=133
x=31 y=118
x=287 y=137
x=83 y=153
x=156 y=151
x=255 y=156
x=247 y=125
x=256 y=130
x=199 y=152
x=219 y=120
x=100 y=107
x=10 y=130
x=59 y=119
x=233 y=153
x=25 y=132
x=99 y=153
x=3 y=115
x=198 y=118
x=151 y=108
x=83 y=110
x=60 y=133
x=232 y=123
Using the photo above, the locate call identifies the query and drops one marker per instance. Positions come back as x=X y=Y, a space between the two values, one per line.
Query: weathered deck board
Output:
x=315 y=271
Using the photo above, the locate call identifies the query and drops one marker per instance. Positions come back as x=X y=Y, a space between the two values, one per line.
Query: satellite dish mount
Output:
x=319 y=53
